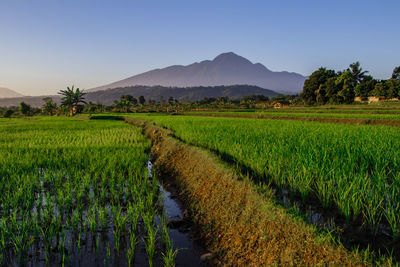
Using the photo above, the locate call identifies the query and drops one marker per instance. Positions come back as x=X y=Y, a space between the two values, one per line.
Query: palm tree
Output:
x=72 y=99
x=357 y=73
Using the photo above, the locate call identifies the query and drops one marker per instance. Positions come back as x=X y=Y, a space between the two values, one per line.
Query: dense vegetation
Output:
x=353 y=168
x=75 y=191
x=326 y=86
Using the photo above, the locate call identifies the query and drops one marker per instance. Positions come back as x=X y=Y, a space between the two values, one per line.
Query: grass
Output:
x=242 y=227
x=65 y=183
x=310 y=113
x=353 y=168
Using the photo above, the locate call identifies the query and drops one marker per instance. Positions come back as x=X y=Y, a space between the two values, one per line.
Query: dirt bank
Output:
x=240 y=226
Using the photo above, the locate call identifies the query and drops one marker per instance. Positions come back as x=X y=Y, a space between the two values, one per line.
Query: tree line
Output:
x=325 y=86
x=73 y=102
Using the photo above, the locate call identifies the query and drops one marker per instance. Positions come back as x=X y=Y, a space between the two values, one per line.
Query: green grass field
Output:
x=312 y=113
x=77 y=191
x=353 y=168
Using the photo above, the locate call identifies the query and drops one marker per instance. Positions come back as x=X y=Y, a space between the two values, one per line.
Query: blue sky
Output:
x=46 y=45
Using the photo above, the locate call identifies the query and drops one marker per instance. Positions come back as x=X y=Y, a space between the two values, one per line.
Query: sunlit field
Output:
x=352 y=168
x=77 y=191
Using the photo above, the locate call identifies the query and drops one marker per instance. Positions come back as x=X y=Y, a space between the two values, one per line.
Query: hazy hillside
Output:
x=182 y=94
x=7 y=93
x=107 y=97
x=225 y=69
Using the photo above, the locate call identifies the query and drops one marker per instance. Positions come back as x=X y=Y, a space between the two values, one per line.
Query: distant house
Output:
x=372 y=99
x=261 y=105
x=277 y=104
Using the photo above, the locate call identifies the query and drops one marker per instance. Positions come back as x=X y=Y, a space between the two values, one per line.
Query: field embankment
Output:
x=242 y=227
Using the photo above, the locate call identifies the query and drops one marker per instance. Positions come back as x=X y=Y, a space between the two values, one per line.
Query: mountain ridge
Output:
x=8 y=93
x=225 y=69
x=107 y=97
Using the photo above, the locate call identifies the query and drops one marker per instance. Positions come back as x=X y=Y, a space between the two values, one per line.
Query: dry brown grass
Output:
x=242 y=227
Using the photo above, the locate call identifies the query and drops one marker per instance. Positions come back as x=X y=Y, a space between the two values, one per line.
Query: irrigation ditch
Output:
x=236 y=223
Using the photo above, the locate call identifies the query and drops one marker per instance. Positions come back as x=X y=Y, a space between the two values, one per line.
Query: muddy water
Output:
x=180 y=230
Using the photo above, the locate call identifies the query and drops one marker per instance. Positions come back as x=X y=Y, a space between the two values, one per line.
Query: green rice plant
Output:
x=169 y=257
x=169 y=253
x=119 y=225
x=91 y=219
x=351 y=167
x=133 y=216
x=103 y=217
x=130 y=253
x=150 y=243
x=59 y=176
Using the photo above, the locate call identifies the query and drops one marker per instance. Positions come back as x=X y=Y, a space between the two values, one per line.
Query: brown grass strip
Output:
x=354 y=121
x=242 y=227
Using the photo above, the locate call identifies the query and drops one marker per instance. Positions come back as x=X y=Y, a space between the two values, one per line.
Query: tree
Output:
x=171 y=101
x=49 y=106
x=331 y=91
x=142 y=100
x=120 y=105
x=365 y=88
x=131 y=101
x=357 y=73
x=346 y=82
x=24 y=108
x=127 y=101
x=392 y=88
x=396 y=73
x=72 y=99
x=380 y=90
x=312 y=84
x=8 y=113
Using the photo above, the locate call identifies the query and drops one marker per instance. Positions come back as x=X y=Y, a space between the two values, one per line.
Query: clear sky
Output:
x=46 y=45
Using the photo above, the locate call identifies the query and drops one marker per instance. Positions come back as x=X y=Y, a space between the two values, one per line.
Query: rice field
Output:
x=77 y=192
x=312 y=113
x=355 y=169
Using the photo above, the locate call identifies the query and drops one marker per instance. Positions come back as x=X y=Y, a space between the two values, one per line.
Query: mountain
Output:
x=107 y=97
x=7 y=93
x=225 y=69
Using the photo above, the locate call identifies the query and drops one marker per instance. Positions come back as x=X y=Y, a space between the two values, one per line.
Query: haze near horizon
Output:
x=49 y=45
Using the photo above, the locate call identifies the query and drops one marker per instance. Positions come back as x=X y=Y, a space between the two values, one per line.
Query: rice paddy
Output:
x=77 y=192
x=82 y=192
x=311 y=113
x=354 y=169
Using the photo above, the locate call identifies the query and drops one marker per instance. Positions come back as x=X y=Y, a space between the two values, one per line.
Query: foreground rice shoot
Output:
x=75 y=191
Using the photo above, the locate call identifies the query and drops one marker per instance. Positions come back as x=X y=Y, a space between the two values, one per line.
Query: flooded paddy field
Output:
x=82 y=193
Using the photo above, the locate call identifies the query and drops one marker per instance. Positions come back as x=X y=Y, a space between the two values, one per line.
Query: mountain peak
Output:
x=7 y=93
x=225 y=69
x=230 y=57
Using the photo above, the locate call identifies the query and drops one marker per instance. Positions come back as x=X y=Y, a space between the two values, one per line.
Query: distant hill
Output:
x=225 y=69
x=108 y=96
x=7 y=93
x=182 y=94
